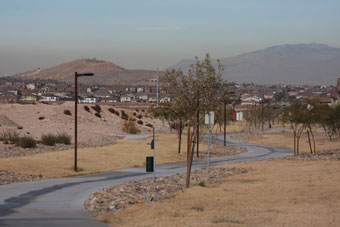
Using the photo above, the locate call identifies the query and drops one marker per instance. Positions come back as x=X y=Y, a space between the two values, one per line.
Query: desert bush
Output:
x=41 y=118
x=27 y=142
x=63 y=138
x=67 y=112
x=134 y=113
x=117 y=113
x=48 y=139
x=139 y=116
x=97 y=108
x=137 y=110
x=149 y=125
x=9 y=136
x=20 y=127
x=130 y=127
x=143 y=110
x=98 y=115
x=87 y=109
x=124 y=115
x=140 y=122
x=112 y=110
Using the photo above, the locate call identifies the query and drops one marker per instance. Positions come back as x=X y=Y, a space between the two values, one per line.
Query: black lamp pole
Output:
x=76 y=75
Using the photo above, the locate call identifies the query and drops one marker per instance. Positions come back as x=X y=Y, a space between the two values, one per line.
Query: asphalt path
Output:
x=59 y=202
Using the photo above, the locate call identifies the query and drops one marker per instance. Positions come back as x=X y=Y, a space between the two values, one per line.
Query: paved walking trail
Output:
x=59 y=202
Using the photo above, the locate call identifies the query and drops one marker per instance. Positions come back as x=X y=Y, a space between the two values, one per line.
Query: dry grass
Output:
x=276 y=193
x=285 y=139
x=123 y=154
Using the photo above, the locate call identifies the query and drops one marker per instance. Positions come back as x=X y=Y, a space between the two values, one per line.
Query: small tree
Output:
x=173 y=115
x=297 y=115
x=201 y=91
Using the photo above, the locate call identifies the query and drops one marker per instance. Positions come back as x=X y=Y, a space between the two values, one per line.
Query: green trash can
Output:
x=149 y=164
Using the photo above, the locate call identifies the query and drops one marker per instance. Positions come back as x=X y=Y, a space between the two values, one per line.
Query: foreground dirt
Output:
x=122 y=154
x=275 y=193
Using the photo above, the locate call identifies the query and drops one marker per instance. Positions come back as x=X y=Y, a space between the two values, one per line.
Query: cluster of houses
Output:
x=282 y=95
x=18 y=90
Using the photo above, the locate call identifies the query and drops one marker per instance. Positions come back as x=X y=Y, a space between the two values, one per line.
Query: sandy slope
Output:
x=91 y=129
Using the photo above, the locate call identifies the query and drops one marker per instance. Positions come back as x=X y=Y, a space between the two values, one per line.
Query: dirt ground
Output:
x=122 y=154
x=276 y=193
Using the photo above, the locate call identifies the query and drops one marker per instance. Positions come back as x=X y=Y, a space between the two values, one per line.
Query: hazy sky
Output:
x=146 y=34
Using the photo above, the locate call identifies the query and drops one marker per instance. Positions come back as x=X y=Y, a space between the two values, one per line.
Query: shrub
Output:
x=97 y=108
x=112 y=110
x=134 y=113
x=117 y=113
x=143 y=110
x=149 y=125
x=140 y=122
x=9 y=136
x=139 y=116
x=63 y=138
x=48 y=139
x=27 y=142
x=87 y=109
x=130 y=127
x=202 y=184
x=137 y=110
x=98 y=115
x=67 y=112
x=41 y=118
x=20 y=127
x=124 y=115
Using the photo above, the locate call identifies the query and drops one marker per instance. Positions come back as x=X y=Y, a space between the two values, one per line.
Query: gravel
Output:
x=152 y=190
x=8 y=177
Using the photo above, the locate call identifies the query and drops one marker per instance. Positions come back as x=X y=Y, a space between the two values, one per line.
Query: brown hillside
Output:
x=105 y=73
x=66 y=70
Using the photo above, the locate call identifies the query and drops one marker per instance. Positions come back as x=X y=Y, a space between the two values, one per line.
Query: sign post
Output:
x=209 y=118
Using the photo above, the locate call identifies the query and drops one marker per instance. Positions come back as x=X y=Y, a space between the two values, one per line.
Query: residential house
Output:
x=127 y=98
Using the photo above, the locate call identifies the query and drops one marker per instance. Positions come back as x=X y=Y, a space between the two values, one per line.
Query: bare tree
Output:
x=201 y=91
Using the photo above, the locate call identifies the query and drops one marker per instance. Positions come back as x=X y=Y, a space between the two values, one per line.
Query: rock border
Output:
x=153 y=189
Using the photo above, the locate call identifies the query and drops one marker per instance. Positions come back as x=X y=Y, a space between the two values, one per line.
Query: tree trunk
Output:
x=188 y=156
x=310 y=144
x=180 y=136
x=294 y=143
x=311 y=132
x=297 y=145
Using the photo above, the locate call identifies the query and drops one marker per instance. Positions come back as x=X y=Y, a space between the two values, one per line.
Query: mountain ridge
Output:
x=311 y=63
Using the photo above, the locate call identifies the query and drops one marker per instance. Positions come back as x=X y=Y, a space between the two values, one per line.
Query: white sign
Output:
x=206 y=121
x=239 y=116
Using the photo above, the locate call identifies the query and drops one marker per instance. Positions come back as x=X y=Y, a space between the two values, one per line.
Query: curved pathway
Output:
x=59 y=202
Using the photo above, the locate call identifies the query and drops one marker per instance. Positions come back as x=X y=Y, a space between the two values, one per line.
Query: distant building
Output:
x=90 y=99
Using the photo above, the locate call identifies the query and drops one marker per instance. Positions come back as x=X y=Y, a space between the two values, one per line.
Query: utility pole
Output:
x=198 y=123
x=157 y=88
x=225 y=122
x=262 y=114
x=209 y=133
x=76 y=75
x=75 y=120
x=154 y=153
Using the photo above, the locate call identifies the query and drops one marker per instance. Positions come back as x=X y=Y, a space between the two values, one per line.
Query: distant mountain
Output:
x=290 y=64
x=105 y=73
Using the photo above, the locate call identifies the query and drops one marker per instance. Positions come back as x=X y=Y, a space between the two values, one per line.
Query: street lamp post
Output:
x=76 y=75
